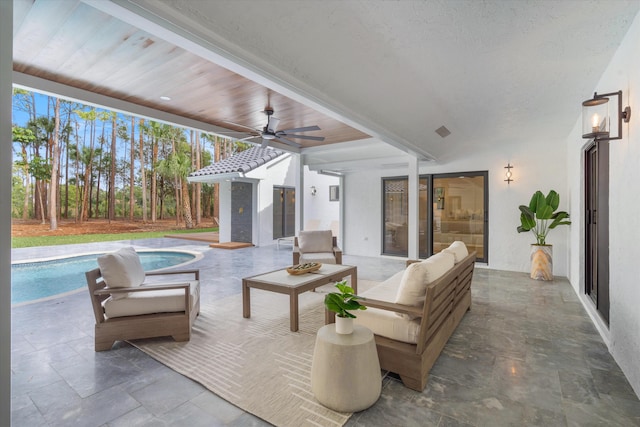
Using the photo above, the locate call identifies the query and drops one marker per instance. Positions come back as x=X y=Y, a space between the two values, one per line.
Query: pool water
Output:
x=35 y=280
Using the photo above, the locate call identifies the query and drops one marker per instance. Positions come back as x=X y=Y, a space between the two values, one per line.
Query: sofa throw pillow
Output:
x=411 y=286
x=121 y=269
x=458 y=249
x=416 y=278
x=315 y=241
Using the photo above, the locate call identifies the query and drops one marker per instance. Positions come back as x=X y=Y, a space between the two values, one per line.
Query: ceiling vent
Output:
x=443 y=131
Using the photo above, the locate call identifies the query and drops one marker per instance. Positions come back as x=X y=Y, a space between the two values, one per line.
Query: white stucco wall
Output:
x=539 y=163
x=282 y=171
x=318 y=210
x=622 y=335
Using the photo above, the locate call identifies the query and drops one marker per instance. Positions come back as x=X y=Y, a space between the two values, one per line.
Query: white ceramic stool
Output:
x=345 y=373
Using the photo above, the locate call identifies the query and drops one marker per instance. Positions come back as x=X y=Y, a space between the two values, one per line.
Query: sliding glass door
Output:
x=456 y=210
x=284 y=212
x=460 y=211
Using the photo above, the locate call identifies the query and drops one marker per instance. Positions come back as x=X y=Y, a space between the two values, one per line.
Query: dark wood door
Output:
x=241 y=212
x=597 y=226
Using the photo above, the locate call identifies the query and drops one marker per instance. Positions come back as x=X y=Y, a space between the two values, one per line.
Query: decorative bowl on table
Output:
x=306 y=267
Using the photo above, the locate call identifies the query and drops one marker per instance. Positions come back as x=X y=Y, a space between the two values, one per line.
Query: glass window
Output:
x=395 y=230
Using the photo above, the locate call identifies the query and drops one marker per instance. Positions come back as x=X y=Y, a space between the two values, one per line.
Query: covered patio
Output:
x=526 y=354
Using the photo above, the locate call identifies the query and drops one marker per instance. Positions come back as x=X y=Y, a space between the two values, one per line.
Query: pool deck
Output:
x=208 y=236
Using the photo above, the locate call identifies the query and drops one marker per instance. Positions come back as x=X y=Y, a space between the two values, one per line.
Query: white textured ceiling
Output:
x=490 y=71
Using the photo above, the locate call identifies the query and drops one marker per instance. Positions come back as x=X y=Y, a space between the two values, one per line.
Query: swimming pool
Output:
x=32 y=281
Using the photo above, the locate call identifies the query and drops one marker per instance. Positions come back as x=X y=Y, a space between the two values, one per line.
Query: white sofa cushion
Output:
x=458 y=249
x=418 y=276
x=322 y=257
x=121 y=269
x=162 y=301
x=386 y=323
x=315 y=241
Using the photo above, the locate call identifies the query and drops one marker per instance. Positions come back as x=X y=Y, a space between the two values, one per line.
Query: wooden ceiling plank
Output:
x=70 y=38
x=95 y=58
x=33 y=35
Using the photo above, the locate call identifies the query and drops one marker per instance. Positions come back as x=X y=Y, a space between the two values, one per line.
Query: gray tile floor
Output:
x=526 y=354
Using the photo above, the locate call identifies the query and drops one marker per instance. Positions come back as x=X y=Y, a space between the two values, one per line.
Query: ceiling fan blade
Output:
x=249 y=138
x=312 y=138
x=286 y=141
x=303 y=129
x=272 y=124
x=239 y=125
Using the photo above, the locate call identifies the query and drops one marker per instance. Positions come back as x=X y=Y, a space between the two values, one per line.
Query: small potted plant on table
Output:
x=341 y=303
x=540 y=217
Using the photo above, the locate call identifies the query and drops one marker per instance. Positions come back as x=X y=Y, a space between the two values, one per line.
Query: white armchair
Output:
x=127 y=308
x=316 y=246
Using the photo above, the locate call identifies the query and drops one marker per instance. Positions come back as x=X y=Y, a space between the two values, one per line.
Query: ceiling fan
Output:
x=270 y=132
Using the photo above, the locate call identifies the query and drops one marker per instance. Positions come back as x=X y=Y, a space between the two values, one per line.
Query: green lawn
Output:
x=27 y=242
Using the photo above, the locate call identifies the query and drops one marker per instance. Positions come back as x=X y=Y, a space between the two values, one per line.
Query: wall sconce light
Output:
x=313 y=190
x=508 y=173
x=596 y=123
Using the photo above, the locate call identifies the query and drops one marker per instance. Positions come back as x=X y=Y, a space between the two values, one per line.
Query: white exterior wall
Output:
x=534 y=168
x=224 y=231
x=318 y=209
x=622 y=336
x=282 y=171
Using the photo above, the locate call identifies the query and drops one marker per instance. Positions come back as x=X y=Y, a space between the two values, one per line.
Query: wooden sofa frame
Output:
x=446 y=301
x=337 y=252
x=109 y=330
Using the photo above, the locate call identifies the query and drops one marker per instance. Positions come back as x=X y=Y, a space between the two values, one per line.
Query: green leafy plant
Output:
x=344 y=301
x=540 y=216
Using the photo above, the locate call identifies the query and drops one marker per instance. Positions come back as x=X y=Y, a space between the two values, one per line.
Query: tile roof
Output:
x=242 y=162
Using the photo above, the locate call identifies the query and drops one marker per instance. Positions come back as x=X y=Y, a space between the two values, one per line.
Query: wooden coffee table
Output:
x=293 y=285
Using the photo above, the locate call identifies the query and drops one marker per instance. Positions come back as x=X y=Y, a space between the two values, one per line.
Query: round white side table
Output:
x=345 y=372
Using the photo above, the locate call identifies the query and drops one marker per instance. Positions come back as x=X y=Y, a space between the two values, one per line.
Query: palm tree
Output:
x=86 y=154
x=55 y=165
x=143 y=173
x=132 y=153
x=179 y=164
x=24 y=136
x=112 y=170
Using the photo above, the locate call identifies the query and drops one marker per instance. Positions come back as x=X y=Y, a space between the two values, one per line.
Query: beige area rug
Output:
x=257 y=364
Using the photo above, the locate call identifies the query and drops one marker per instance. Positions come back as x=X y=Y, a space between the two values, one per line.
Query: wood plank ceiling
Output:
x=73 y=44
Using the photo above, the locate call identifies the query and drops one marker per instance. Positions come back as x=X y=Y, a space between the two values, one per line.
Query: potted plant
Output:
x=342 y=303
x=540 y=217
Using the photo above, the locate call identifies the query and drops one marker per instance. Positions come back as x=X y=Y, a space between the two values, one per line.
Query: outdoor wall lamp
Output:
x=313 y=190
x=508 y=173
x=596 y=122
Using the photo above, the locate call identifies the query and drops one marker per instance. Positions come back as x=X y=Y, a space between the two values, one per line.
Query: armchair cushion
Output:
x=321 y=257
x=315 y=241
x=417 y=276
x=121 y=269
x=458 y=249
x=157 y=301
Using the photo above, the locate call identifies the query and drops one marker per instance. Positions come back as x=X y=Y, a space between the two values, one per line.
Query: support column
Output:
x=6 y=69
x=414 y=208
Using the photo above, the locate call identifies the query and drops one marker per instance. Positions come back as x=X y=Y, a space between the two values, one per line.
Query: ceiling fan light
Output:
x=268 y=136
